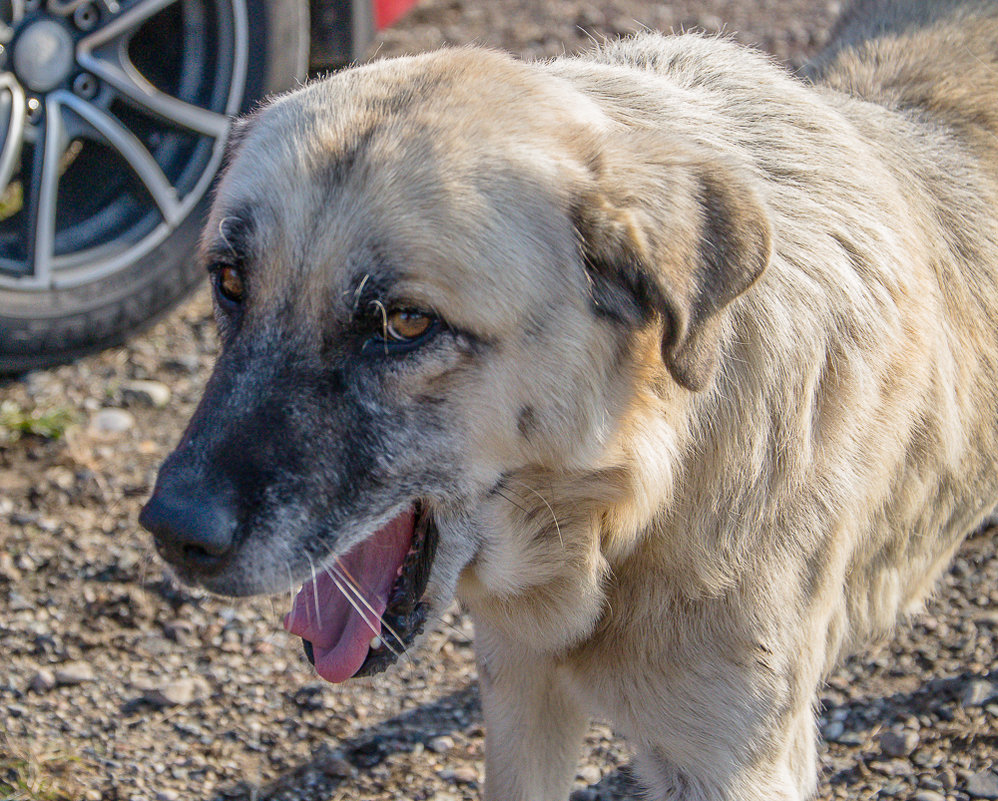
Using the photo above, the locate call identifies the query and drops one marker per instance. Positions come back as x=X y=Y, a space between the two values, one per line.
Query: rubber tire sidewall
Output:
x=41 y=329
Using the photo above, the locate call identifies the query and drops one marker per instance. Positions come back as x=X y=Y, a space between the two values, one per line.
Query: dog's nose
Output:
x=193 y=529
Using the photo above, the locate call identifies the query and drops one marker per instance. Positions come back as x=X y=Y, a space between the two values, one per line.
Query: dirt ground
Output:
x=117 y=684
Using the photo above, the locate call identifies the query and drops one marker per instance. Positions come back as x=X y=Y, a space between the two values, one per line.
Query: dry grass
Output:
x=41 y=773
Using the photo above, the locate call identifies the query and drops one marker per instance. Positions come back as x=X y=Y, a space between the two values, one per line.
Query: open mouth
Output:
x=360 y=613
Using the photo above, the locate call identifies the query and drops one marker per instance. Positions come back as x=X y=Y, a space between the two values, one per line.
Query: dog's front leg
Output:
x=533 y=722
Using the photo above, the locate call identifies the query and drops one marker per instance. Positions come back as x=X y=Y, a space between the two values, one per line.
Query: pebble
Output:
x=183 y=363
x=175 y=693
x=74 y=673
x=154 y=394
x=440 y=745
x=112 y=421
x=42 y=681
x=898 y=743
x=8 y=570
x=978 y=693
x=590 y=774
x=983 y=785
x=334 y=766
x=833 y=730
x=710 y=22
x=462 y=773
x=928 y=795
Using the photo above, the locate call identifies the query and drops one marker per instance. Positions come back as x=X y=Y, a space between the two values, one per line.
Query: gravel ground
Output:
x=116 y=684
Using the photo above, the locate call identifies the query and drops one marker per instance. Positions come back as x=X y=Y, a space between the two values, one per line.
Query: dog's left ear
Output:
x=674 y=235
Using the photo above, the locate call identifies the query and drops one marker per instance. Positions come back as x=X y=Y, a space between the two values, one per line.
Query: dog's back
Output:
x=937 y=59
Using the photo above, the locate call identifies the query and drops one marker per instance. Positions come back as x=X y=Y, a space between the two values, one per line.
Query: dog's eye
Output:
x=229 y=284
x=405 y=325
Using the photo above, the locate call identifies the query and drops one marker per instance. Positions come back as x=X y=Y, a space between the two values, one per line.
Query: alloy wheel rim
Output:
x=105 y=148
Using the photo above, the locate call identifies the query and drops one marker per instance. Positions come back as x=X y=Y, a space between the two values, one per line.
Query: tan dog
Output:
x=680 y=372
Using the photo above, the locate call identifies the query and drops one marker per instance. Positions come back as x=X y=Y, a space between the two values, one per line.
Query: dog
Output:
x=676 y=369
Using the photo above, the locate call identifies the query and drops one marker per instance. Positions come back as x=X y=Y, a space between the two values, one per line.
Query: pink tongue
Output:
x=321 y=614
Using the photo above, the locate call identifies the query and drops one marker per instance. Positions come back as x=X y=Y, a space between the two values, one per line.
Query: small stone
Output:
x=42 y=681
x=947 y=779
x=590 y=774
x=175 y=693
x=894 y=767
x=332 y=764
x=74 y=673
x=978 y=693
x=441 y=745
x=8 y=570
x=167 y=795
x=898 y=743
x=146 y=393
x=18 y=603
x=94 y=794
x=183 y=363
x=928 y=795
x=462 y=773
x=710 y=22
x=833 y=730
x=112 y=421
x=983 y=785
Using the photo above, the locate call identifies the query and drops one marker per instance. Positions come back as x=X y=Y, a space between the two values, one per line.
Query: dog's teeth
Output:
x=375 y=642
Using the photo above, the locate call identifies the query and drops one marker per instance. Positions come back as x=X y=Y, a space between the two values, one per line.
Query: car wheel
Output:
x=113 y=120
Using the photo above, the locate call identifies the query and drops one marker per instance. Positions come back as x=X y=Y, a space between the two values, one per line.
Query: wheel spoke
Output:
x=16 y=15
x=11 y=127
x=124 y=23
x=44 y=191
x=63 y=7
x=130 y=83
x=133 y=151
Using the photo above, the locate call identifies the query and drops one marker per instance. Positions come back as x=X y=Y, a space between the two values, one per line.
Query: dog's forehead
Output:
x=406 y=169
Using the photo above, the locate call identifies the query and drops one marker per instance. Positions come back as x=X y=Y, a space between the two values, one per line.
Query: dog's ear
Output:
x=674 y=235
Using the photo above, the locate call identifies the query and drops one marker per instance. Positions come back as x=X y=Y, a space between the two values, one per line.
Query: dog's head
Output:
x=431 y=273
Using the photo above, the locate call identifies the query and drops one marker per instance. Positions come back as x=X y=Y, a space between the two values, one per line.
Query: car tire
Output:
x=110 y=265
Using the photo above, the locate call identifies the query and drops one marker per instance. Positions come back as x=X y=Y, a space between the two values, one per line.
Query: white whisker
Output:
x=291 y=584
x=350 y=583
x=315 y=592
x=357 y=292
x=337 y=571
x=352 y=599
x=554 y=517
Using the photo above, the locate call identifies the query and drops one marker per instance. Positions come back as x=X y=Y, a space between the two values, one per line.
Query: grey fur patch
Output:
x=526 y=421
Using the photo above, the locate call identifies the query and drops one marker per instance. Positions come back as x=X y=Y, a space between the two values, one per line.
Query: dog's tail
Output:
x=939 y=58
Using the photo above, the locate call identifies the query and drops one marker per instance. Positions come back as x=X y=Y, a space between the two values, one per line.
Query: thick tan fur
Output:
x=736 y=407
